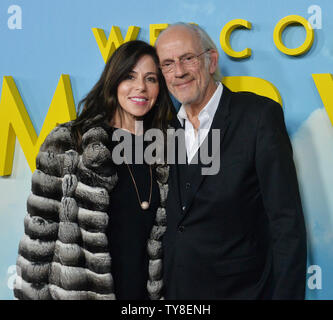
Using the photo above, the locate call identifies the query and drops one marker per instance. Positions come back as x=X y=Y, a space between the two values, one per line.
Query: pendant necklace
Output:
x=144 y=204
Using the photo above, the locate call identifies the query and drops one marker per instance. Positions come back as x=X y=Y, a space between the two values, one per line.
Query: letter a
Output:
x=15 y=21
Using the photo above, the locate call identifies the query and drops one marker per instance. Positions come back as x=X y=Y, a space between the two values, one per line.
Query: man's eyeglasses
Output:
x=187 y=60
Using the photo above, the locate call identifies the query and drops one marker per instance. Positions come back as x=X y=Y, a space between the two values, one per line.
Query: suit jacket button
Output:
x=188 y=185
x=183 y=208
x=181 y=229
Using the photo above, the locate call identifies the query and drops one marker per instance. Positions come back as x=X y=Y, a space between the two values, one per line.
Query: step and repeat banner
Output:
x=53 y=52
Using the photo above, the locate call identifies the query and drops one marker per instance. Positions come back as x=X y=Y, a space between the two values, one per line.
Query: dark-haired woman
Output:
x=94 y=227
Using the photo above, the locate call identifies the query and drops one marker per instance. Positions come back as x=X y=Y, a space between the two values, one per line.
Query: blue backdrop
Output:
x=56 y=38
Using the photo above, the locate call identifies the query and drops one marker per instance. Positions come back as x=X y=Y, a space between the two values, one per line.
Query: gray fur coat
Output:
x=64 y=253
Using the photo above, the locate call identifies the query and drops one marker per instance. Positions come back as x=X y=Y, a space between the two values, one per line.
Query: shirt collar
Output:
x=208 y=111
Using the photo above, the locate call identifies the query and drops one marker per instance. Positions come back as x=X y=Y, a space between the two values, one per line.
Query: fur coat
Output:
x=64 y=253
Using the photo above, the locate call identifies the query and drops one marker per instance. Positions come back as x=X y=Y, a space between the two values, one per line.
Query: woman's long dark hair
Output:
x=101 y=103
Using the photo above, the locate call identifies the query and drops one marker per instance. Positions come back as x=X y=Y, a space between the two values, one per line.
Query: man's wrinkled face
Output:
x=187 y=82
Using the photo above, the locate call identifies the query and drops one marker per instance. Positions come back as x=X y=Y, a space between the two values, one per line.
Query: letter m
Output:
x=15 y=122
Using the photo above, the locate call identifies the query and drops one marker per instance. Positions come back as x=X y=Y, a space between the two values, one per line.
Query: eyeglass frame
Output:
x=181 y=61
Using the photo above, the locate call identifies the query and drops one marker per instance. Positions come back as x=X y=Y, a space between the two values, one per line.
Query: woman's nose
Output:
x=140 y=84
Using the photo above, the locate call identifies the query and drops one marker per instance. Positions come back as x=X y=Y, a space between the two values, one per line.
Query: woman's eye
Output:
x=129 y=77
x=152 y=79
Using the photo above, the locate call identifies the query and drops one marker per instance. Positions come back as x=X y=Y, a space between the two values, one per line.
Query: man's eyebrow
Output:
x=186 y=54
x=166 y=60
x=182 y=56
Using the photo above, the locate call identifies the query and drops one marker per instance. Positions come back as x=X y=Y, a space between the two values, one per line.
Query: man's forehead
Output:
x=178 y=41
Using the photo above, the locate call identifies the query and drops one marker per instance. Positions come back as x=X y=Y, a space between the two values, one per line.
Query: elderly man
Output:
x=239 y=233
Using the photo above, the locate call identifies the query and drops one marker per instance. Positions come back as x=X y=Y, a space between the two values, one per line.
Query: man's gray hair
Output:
x=205 y=40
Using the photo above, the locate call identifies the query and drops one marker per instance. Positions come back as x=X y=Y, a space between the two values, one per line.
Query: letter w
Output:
x=15 y=122
x=115 y=40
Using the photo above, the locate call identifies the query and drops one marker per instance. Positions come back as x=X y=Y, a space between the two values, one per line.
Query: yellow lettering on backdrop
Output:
x=15 y=122
x=257 y=85
x=283 y=24
x=225 y=38
x=155 y=30
x=108 y=46
x=324 y=84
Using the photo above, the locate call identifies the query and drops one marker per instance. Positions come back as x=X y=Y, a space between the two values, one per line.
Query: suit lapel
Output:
x=220 y=122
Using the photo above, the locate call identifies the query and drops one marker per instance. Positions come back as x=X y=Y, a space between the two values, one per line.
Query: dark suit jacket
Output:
x=239 y=234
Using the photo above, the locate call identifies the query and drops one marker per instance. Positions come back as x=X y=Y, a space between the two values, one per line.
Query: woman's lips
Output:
x=141 y=101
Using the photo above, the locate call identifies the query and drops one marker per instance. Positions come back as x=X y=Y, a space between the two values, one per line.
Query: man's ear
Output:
x=214 y=58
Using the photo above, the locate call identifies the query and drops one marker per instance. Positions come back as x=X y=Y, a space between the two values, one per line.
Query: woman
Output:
x=89 y=220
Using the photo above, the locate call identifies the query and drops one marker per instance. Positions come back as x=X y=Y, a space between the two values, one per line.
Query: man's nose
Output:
x=179 y=70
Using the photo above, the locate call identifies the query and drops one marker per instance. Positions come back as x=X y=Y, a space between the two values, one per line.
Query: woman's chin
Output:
x=140 y=114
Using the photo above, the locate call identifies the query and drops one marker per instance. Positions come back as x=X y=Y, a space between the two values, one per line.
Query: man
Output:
x=237 y=234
